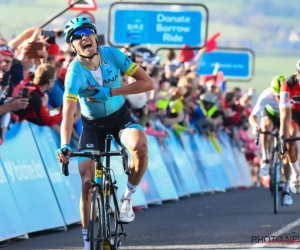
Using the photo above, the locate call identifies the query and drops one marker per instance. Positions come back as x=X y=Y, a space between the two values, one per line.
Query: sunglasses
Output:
x=82 y=32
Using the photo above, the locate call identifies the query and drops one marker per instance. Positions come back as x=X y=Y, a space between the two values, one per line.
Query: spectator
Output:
x=69 y=56
x=232 y=109
x=53 y=52
x=36 y=112
x=7 y=104
x=6 y=86
x=56 y=95
x=138 y=105
x=6 y=59
x=155 y=74
x=208 y=112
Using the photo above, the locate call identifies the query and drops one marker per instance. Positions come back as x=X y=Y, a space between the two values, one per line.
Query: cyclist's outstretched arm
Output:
x=253 y=121
x=72 y=84
x=285 y=113
x=258 y=108
x=69 y=109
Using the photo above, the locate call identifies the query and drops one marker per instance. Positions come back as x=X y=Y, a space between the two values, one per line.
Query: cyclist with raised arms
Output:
x=290 y=121
x=93 y=77
x=267 y=107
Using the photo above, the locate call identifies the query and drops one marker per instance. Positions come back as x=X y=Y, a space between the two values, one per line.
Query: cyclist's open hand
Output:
x=63 y=157
x=256 y=130
x=102 y=94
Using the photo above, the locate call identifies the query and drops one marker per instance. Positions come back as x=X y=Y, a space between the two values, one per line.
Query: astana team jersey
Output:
x=79 y=79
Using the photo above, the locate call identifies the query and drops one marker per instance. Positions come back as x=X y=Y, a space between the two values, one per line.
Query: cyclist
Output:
x=94 y=78
x=267 y=106
x=290 y=122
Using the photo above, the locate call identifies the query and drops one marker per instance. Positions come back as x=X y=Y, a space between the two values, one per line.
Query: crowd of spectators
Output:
x=184 y=100
x=33 y=69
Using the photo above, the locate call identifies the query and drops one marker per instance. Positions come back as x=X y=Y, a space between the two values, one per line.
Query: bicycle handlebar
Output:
x=96 y=155
x=284 y=141
x=65 y=166
x=274 y=133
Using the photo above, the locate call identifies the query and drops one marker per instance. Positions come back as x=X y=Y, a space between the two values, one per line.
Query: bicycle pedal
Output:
x=113 y=233
x=111 y=212
x=122 y=222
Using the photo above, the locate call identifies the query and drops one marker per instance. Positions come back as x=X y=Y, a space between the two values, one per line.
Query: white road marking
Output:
x=204 y=246
x=281 y=231
x=241 y=246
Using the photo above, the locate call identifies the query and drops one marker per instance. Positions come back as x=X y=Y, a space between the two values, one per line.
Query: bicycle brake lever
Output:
x=282 y=145
x=257 y=139
x=65 y=166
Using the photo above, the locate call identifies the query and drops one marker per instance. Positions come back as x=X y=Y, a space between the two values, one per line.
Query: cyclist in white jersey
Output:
x=267 y=107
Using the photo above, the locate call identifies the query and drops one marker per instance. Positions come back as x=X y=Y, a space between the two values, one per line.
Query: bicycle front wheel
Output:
x=276 y=181
x=97 y=217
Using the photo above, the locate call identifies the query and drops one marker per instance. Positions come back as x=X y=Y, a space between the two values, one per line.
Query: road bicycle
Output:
x=105 y=231
x=283 y=150
x=275 y=167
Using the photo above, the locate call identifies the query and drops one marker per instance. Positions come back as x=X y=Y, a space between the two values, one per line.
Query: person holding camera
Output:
x=37 y=112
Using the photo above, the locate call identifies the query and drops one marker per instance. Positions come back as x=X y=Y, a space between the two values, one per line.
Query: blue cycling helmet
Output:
x=77 y=23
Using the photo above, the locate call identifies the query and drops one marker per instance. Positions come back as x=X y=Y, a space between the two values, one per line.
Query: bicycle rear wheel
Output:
x=97 y=218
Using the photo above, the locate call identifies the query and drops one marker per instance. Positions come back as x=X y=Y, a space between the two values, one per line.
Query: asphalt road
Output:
x=226 y=220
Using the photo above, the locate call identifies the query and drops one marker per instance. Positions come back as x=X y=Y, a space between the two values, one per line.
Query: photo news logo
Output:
x=276 y=239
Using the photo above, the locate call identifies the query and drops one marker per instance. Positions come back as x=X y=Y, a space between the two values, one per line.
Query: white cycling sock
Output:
x=129 y=191
x=86 y=243
x=265 y=155
x=286 y=187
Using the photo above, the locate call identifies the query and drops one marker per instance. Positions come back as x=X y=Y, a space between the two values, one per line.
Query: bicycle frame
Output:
x=275 y=166
x=105 y=186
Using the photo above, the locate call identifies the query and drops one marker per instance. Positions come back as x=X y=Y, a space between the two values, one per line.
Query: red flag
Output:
x=211 y=43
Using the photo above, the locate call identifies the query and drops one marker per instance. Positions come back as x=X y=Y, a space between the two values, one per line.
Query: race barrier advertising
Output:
x=182 y=163
x=9 y=212
x=29 y=181
x=66 y=196
x=36 y=196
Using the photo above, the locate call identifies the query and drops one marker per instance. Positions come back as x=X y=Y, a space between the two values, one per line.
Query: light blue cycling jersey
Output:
x=79 y=79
